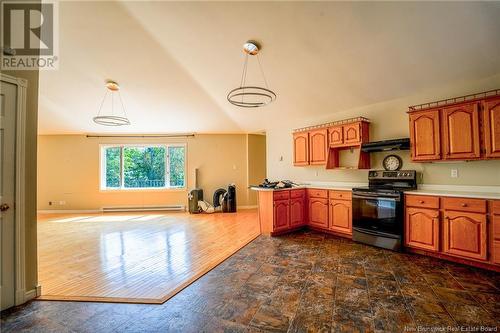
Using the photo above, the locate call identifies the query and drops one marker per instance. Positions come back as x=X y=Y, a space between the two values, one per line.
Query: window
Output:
x=143 y=167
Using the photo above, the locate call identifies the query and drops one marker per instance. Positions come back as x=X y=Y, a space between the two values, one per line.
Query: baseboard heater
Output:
x=143 y=208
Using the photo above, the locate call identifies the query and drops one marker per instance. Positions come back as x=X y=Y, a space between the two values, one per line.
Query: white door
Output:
x=8 y=100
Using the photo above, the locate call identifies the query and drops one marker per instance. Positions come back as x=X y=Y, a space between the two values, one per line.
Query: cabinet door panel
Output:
x=422 y=228
x=281 y=215
x=425 y=135
x=491 y=116
x=460 y=136
x=340 y=216
x=318 y=144
x=318 y=212
x=300 y=149
x=495 y=237
x=352 y=133
x=465 y=234
x=336 y=135
x=297 y=212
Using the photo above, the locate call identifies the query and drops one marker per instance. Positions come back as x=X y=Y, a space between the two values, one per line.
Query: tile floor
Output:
x=304 y=282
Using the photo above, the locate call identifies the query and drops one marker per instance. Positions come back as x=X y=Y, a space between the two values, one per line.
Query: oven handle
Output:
x=374 y=233
x=357 y=196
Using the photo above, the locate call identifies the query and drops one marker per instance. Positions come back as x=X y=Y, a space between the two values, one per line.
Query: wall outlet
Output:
x=454 y=173
x=62 y=202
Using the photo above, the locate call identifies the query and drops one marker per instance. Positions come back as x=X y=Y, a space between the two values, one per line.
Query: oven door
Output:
x=377 y=213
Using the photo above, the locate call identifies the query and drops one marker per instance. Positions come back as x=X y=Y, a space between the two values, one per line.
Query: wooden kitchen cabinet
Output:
x=281 y=215
x=464 y=234
x=318 y=146
x=301 y=149
x=491 y=128
x=298 y=209
x=340 y=216
x=495 y=231
x=318 y=208
x=282 y=211
x=352 y=133
x=422 y=228
x=460 y=132
x=336 y=135
x=425 y=135
x=318 y=212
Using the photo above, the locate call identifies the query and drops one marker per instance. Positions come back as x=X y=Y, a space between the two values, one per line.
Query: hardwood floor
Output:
x=134 y=257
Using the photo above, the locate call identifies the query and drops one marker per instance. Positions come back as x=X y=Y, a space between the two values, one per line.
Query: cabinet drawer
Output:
x=465 y=204
x=422 y=201
x=340 y=195
x=281 y=195
x=297 y=193
x=316 y=193
x=495 y=207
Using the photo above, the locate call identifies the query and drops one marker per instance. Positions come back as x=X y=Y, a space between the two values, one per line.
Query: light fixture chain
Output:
x=244 y=73
x=262 y=72
x=123 y=106
x=102 y=102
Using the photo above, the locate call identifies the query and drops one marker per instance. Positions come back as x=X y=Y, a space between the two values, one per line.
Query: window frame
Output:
x=102 y=168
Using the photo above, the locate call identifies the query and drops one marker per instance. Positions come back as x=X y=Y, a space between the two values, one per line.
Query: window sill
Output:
x=144 y=189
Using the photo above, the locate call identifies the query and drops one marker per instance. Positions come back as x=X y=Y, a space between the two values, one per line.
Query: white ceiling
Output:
x=177 y=61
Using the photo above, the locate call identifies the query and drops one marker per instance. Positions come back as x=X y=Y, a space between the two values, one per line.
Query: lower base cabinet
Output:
x=453 y=226
x=422 y=228
x=281 y=215
x=465 y=234
x=281 y=211
x=318 y=212
x=340 y=217
x=297 y=212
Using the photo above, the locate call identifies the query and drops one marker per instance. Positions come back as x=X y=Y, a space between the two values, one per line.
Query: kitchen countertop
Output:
x=480 y=192
x=458 y=194
x=323 y=186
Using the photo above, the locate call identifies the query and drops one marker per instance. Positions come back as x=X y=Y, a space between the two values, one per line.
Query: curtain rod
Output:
x=142 y=136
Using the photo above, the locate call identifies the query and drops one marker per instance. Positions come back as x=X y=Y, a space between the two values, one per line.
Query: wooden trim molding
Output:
x=20 y=209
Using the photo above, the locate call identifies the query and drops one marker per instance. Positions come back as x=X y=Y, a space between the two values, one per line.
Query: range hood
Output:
x=386 y=145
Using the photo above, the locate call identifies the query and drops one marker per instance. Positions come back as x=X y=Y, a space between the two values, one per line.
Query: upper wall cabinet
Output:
x=465 y=130
x=318 y=145
x=352 y=133
x=301 y=149
x=336 y=135
x=425 y=135
x=491 y=127
x=460 y=128
x=321 y=144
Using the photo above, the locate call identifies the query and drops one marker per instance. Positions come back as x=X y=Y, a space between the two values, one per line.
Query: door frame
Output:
x=20 y=209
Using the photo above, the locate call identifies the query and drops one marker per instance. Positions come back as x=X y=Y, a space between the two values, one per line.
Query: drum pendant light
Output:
x=112 y=118
x=251 y=96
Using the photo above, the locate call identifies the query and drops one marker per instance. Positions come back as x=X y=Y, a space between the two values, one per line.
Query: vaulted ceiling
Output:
x=176 y=61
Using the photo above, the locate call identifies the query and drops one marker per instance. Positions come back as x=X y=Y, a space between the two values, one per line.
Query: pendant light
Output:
x=112 y=118
x=251 y=96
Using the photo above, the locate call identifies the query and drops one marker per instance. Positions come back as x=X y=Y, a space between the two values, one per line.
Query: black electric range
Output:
x=378 y=210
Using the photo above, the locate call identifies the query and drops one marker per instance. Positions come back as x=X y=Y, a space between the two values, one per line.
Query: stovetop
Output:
x=380 y=189
x=381 y=181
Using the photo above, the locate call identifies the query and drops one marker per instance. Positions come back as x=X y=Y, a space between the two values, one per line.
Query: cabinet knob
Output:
x=4 y=207
x=464 y=205
x=421 y=201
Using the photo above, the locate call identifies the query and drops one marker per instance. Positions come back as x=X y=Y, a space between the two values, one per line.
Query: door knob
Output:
x=4 y=207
